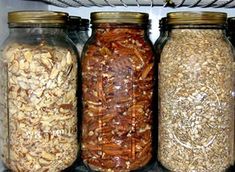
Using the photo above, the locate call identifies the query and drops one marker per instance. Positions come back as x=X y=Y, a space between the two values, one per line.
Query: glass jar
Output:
x=196 y=105
x=73 y=27
x=83 y=35
x=230 y=32
x=117 y=70
x=39 y=97
x=78 y=31
x=160 y=42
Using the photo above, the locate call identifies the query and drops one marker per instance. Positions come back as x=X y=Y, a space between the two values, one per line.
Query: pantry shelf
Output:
x=151 y=3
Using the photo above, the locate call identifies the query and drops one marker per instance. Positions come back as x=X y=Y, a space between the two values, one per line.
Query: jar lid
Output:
x=204 y=17
x=74 y=20
x=37 y=17
x=85 y=22
x=231 y=20
x=231 y=24
x=163 y=22
x=119 y=17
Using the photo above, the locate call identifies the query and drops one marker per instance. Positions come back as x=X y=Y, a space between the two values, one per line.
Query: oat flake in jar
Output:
x=38 y=94
x=196 y=105
x=117 y=70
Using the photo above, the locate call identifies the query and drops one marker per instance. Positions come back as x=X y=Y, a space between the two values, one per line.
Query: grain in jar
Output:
x=117 y=71
x=38 y=93
x=196 y=105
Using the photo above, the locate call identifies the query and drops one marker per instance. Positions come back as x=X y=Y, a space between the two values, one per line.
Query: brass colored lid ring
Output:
x=37 y=17
x=204 y=17
x=119 y=17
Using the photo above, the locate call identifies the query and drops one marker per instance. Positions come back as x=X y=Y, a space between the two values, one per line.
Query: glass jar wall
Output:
x=117 y=70
x=38 y=93
x=196 y=105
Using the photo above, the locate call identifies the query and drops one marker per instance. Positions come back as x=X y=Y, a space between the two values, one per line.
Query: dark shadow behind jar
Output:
x=117 y=72
x=196 y=101
x=39 y=98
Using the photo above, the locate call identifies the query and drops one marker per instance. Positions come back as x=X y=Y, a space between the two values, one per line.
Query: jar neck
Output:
x=83 y=34
x=202 y=31
x=36 y=29
x=134 y=29
x=83 y=28
x=163 y=32
x=231 y=31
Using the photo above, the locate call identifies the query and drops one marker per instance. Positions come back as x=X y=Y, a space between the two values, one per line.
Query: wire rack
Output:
x=165 y=3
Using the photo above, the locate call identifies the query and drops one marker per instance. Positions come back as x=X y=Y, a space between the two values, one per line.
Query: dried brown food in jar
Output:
x=117 y=70
x=42 y=108
x=196 y=109
x=39 y=116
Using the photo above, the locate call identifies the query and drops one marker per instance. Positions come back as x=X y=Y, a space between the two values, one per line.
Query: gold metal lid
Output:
x=119 y=17
x=204 y=17
x=37 y=17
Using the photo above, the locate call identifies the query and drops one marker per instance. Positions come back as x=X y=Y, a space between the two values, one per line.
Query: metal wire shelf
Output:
x=126 y=3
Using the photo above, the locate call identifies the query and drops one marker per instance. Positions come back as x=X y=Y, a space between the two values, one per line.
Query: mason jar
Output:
x=161 y=40
x=117 y=73
x=83 y=34
x=78 y=31
x=196 y=86
x=230 y=30
x=73 y=27
x=38 y=93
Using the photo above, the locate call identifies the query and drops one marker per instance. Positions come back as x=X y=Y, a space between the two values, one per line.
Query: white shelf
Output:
x=164 y=3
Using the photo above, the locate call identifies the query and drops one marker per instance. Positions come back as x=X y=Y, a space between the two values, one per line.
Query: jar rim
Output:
x=119 y=17
x=37 y=17
x=201 y=17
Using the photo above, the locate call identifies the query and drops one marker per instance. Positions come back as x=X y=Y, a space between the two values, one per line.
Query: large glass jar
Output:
x=38 y=94
x=196 y=105
x=117 y=70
